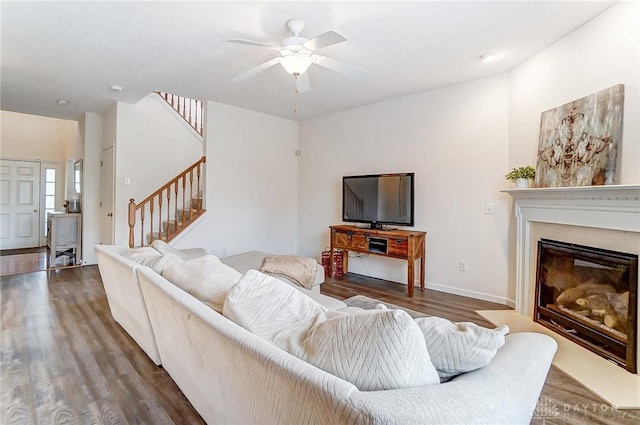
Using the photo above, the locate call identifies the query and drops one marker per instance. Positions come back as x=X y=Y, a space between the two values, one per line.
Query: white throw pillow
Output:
x=150 y=257
x=374 y=350
x=457 y=348
x=272 y=310
x=206 y=278
x=139 y=255
x=164 y=248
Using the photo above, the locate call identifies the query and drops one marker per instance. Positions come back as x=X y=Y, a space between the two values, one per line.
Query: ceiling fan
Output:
x=297 y=54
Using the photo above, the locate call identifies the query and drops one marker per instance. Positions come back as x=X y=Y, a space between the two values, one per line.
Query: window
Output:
x=77 y=176
x=49 y=193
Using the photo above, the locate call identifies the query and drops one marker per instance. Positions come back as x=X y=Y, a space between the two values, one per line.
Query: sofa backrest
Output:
x=232 y=376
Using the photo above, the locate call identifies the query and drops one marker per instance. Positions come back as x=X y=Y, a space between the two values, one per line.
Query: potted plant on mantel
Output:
x=521 y=176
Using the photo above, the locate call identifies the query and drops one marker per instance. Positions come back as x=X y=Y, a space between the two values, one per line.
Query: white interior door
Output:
x=19 y=204
x=106 y=197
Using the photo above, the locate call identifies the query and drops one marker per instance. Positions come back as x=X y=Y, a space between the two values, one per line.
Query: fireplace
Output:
x=605 y=217
x=588 y=295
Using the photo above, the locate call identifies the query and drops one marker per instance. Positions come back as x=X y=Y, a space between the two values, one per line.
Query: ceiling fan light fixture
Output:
x=296 y=64
x=491 y=56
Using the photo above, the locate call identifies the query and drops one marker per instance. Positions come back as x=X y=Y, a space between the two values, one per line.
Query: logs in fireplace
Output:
x=589 y=295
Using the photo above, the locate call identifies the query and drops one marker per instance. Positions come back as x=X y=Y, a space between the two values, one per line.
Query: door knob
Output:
x=35 y=210
x=109 y=214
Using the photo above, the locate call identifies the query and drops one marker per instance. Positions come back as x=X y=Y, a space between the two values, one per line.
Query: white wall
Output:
x=475 y=131
x=152 y=147
x=91 y=134
x=602 y=53
x=455 y=140
x=49 y=140
x=33 y=137
x=598 y=55
x=55 y=142
x=251 y=189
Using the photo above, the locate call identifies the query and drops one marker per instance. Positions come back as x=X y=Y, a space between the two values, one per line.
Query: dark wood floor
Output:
x=65 y=361
x=452 y=307
x=18 y=261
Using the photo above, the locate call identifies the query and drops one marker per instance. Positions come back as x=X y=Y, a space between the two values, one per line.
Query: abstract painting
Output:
x=579 y=141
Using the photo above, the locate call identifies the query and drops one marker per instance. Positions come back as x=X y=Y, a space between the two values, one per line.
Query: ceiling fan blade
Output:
x=255 y=44
x=338 y=66
x=253 y=71
x=323 y=40
x=302 y=83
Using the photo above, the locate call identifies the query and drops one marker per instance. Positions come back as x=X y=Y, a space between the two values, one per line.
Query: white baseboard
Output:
x=471 y=294
x=441 y=288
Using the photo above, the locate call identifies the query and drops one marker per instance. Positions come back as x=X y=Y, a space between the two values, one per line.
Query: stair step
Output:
x=196 y=203
x=186 y=213
x=173 y=226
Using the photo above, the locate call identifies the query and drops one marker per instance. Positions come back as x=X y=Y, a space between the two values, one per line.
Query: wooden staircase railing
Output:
x=189 y=109
x=151 y=219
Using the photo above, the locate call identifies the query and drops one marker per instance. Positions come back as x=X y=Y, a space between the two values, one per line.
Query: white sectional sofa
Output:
x=125 y=297
x=127 y=304
x=232 y=376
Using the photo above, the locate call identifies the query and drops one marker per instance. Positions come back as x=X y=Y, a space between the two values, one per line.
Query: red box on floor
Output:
x=338 y=256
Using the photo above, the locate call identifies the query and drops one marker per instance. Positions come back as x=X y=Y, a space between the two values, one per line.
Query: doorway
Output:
x=106 y=234
x=20 y=222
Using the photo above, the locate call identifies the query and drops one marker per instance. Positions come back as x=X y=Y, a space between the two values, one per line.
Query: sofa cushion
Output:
x=272 y=310
x=374 y=350
x=164 y=248
x=186 y=254
x=206 y=278
x=461 y=347
x=150 y=257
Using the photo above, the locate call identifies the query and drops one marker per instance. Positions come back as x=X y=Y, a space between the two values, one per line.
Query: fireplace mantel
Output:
x=628 y=192
x=615 y=207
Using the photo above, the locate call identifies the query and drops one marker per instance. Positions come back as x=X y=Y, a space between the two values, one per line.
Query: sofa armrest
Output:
x=122 y=289
x=504 y=391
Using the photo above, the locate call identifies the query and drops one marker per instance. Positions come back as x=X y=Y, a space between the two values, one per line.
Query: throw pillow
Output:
x=374 y=350
x=150 y=257
x=302 y=270
x=461 y=347
x=164 y=248
x=140 y=255
x=272 y=310
x=206 y=278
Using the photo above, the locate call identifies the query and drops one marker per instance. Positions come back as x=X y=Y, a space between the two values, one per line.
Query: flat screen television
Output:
x=379 y=199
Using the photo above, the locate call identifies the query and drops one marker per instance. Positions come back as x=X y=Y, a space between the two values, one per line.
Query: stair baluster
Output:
x=191 y=110
x=176 y=213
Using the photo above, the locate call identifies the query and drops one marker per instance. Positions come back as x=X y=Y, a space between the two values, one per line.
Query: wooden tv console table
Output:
x=402 y=244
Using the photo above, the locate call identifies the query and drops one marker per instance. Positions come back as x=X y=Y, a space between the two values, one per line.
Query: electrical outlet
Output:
x=488 y=208
x=462 y=266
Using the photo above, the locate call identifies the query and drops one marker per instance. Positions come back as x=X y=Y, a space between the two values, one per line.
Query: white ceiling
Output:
x=78 y=50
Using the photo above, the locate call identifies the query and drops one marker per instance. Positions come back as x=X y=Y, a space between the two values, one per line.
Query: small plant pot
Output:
x=522 y=183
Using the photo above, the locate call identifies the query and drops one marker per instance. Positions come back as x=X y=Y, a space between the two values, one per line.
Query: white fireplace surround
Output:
x=605 y=217
x=599 y=207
